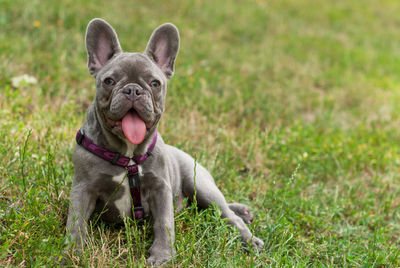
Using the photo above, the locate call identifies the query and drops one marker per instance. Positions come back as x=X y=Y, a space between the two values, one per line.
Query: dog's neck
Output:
x=108 y=140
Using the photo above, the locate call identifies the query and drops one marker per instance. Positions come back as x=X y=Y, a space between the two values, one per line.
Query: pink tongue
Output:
x=133 y=127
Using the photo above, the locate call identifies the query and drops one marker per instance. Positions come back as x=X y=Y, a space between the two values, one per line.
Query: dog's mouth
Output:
x=133 y=127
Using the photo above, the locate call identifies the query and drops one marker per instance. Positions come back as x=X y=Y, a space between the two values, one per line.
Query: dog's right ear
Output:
x=101 y=44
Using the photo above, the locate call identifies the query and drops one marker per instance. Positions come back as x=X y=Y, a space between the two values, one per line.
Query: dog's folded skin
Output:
x=123 y=118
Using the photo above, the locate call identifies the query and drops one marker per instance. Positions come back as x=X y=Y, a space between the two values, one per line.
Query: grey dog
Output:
x=123 y=119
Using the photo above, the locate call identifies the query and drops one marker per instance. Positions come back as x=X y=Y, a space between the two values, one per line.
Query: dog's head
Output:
x=131 y=87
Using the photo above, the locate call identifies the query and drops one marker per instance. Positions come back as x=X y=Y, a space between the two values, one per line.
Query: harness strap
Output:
x=122 y=161
x=134 y=186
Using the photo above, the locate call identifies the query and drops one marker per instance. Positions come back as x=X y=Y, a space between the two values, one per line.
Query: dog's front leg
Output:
x=82 y=205
x=162 y=210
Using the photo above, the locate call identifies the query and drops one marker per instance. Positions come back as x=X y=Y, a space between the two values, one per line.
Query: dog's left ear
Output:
x=163 y=47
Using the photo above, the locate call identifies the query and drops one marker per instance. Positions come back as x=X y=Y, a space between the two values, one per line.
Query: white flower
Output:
x=23 y=80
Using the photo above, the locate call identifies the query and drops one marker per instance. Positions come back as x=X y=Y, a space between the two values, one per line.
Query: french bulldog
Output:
x=123 y=118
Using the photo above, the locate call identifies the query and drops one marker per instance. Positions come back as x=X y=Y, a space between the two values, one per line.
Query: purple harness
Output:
x=122 y=161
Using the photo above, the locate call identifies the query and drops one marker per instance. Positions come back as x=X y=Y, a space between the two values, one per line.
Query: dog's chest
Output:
x=130 y=148
x=120 y=198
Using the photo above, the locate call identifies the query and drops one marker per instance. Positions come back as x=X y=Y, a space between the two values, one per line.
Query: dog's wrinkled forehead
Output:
x=131 y=66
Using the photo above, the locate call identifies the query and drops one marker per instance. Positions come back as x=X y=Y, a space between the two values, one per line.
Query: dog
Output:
x=123 y=168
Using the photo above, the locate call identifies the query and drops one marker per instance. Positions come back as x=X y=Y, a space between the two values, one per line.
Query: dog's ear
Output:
x=101 y=44
x=163 y=47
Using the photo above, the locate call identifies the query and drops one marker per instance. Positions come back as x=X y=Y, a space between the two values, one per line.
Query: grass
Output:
x=294 y=107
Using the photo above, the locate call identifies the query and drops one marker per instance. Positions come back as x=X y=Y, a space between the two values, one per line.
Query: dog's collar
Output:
x=122 y=161
x=113 y=157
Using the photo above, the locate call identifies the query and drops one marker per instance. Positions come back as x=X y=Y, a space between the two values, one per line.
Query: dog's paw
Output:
x=158 y=259
x=247 y=216
x=243 y=212
x=257 y=243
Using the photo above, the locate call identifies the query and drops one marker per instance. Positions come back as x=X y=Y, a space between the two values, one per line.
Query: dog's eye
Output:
x=109 y=81
x=155 y=83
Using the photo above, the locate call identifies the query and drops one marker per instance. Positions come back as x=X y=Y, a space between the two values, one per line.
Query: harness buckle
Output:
x=134 y=180
x=81 y=137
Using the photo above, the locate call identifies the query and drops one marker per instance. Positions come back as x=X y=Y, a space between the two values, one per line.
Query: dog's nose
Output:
x=132 y=91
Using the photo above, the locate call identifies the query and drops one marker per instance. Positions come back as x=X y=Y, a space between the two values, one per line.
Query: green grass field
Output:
x=294 y=107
